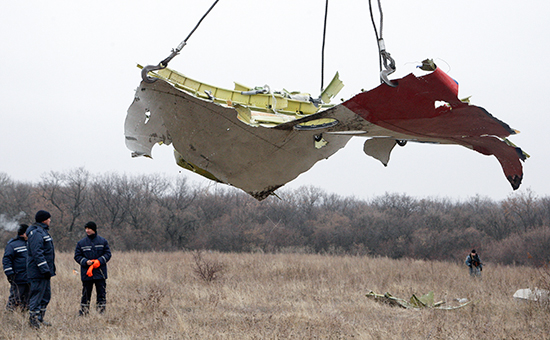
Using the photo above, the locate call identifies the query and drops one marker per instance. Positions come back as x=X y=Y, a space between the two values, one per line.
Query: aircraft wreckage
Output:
x=423 y=301
x=258 y=140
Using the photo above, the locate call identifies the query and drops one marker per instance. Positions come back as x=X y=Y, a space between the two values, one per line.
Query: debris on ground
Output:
x=532 y=294
x=424 y=301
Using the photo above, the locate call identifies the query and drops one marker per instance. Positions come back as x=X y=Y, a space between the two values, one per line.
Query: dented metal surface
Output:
x=261 y=141
x=211 y=138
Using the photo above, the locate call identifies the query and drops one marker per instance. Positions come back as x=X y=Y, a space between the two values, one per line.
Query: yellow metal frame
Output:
x=256 y=102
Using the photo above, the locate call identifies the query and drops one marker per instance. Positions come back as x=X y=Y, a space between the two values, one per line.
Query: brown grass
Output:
x=285 y=296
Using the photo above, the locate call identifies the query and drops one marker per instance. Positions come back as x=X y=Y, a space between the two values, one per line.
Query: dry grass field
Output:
x=286 y=296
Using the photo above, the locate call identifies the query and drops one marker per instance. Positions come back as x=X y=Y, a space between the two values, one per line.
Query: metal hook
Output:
x=145 y=72
x=162 y=65
x=389 y=69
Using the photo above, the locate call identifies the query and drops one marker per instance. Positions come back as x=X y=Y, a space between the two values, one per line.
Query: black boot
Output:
x=84 y=309
x=34 y=321
x=100 y=308
x=41 y=317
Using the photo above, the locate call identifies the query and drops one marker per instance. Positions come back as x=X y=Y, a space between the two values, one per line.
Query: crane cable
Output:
x=384 y=57
x=323 y=47
x=175 y=51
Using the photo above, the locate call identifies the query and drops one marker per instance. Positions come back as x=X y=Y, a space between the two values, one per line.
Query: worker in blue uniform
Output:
x=14 y=262
x=92 y=253
x=40 y=267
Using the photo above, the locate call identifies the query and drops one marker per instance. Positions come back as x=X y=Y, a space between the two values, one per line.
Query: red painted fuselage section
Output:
x=428 y=107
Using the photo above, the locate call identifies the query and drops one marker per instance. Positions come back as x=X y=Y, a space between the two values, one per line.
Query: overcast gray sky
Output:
x=69 y=74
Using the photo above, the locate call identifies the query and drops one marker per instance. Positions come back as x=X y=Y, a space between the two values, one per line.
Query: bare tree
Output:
x=50 y=188
x=398 y=205
x=106 y=200
x=523 y=208
x=16 y=199
x=176 y=212
x=66 y=192
x=206 y=269
x=76 y=191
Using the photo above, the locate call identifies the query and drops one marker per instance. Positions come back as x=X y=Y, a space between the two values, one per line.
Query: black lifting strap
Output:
x=164 y=63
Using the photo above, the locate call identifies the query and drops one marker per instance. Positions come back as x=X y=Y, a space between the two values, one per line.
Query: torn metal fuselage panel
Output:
x=211 y=140
x=423 y=109
x=260 y=142
x=415 y=110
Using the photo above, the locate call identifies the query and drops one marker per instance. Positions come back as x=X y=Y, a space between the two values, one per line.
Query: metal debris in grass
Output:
x=424 y=301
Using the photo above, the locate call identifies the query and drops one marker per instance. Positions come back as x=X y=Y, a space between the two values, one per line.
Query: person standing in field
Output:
x=474 y=263
x=40 y=267
x=15 y=268
x=92 y=253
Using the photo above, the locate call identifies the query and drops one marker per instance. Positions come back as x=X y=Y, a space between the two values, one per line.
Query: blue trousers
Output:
x=19 y=296
x=40 y=296
x=475 y=271
x=101 y=292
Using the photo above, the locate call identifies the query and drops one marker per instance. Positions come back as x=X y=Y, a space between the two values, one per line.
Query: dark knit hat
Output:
x=42 y=215
x=91 y=225
x=22 y=229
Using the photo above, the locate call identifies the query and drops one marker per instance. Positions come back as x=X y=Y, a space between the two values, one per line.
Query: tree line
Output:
x=157 y=213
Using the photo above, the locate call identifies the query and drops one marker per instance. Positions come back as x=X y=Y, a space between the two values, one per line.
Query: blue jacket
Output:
x=93 y=247
x=40 y=252
x=15 y=259
x=475 y=262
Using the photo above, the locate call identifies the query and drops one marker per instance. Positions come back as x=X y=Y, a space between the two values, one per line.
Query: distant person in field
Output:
x=40 y=267
x=15 y=268
x=93 y=253
x=474 y=263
